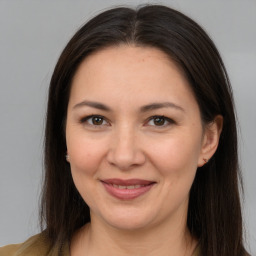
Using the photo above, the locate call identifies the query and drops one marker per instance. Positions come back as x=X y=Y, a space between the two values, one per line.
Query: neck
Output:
x=161 y=240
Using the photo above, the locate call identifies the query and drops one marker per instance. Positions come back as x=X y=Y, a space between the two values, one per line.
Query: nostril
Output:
x=126 y=147
x=125 y=158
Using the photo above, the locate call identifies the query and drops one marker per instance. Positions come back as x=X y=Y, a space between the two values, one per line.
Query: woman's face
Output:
x=134 y=137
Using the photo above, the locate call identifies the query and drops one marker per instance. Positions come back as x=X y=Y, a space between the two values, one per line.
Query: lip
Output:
x=111 y=186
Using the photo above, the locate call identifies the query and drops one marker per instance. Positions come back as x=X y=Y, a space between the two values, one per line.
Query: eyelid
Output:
x=169 y=120
x=86 y=118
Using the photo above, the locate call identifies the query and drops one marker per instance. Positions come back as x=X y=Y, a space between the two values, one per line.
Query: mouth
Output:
x=127 y=189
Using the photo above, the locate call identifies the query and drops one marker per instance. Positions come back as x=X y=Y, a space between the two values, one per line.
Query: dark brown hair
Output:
x=214 y=213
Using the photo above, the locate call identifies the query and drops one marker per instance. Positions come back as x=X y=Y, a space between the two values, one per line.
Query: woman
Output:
x=140 y=143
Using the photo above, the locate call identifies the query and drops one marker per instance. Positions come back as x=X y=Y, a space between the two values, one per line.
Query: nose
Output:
x=125 y=152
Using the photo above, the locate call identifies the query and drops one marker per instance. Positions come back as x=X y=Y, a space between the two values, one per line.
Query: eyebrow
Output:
x=92 y=104
x=146 y=108
x=154 y=106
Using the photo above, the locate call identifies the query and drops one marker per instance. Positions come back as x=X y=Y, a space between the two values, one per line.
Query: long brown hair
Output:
x=214 y=213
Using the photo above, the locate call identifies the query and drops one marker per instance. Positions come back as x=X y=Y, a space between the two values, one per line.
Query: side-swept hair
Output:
x=214 y=212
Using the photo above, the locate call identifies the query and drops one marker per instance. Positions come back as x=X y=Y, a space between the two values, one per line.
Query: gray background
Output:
x=32 y=35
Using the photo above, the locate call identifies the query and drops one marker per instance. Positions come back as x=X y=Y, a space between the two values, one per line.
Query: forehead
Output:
x=129 y=73
x=128 y=56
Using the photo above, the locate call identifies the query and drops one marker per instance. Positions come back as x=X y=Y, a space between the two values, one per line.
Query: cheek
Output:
x=177 y=155
x=85 y=154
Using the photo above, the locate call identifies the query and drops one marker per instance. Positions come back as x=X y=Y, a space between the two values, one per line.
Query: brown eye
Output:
x=94 y=120
x=97 y=120
x=159 y=121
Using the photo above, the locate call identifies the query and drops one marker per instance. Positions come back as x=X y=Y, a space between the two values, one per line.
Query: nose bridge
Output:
x=124 y=149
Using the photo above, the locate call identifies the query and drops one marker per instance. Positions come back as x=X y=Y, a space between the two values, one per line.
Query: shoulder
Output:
x=197 y=250
x=35 y=245
x=9 y=250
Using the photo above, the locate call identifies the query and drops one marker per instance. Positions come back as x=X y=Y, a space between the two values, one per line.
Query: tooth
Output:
x=130 y=187
x=127 y=187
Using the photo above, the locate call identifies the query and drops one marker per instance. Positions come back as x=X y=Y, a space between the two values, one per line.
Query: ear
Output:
x=67 y=157
x=210 y=140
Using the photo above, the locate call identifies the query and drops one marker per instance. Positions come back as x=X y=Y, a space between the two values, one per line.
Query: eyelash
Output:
x=85 y=120
x=165 y=119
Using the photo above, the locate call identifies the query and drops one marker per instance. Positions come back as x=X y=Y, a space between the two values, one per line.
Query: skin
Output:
x=126 y=143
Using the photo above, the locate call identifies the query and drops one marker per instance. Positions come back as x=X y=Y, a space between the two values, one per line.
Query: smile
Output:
x=127 y=189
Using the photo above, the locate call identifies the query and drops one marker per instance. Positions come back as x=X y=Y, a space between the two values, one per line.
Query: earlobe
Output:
x=67 y=157
x=210 y=140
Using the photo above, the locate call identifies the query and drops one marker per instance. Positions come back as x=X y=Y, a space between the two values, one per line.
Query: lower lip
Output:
x=126 y=194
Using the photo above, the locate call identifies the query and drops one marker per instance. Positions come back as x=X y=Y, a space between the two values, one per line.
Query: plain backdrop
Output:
x=33 y=34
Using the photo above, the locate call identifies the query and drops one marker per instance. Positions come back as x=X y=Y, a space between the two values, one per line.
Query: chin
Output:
x=129 y=225
x=129 y=220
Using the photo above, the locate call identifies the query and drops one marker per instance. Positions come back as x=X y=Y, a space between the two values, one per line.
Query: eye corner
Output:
x=94 y=120
x=160 y=121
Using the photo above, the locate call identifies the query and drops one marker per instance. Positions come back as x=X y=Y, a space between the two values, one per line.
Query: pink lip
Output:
x=125 y=193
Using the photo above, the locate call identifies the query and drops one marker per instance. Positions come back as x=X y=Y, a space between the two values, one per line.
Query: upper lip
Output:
x=129 y=182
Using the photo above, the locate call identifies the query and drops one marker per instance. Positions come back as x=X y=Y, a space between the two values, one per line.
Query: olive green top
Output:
x=38 y=246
